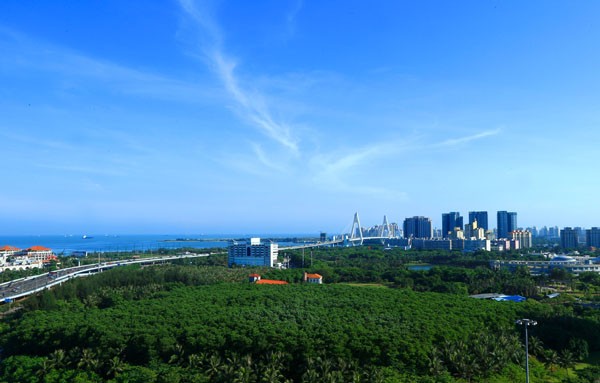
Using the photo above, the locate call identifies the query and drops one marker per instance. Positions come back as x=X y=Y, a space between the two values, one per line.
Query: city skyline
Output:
x=288 y=116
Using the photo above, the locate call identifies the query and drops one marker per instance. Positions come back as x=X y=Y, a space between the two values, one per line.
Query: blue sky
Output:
x=288 y=116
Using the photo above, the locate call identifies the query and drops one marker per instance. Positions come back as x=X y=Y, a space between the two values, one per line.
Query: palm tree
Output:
x=243 y=374
x=342 y=365
x=213 y=367
x=356 y=377
x=178 y=355
x=482 y=356
x=325 y=366
x=73 y=356
x=115 y=366
x=434 y=362
x=468 y=366
x=275 y=359
x=374 y=375
x=551 y=359
x=44 y=368
x=334 y=377
x=536 y=346
x=566 y=360
x=271 y=367
x=271 y=374
x=311 y=376
x=194 y=361
x=88 y=360
x=57 y=358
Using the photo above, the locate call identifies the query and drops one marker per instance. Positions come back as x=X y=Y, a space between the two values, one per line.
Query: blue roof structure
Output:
x=563 y=258
x=511 y=298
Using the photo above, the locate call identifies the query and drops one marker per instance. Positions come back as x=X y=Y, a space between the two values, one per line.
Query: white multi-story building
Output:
x=254 y=253
x=37 y=253
x=523 y=236
x=6 y=252
x=12 y=258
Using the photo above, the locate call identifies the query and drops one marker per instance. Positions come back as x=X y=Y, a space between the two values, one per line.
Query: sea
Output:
x=67 y=244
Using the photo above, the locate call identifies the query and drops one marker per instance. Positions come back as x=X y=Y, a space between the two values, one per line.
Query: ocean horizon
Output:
x=67 y=244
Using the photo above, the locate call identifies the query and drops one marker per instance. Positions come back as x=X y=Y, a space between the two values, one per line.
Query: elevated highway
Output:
x=19 y=288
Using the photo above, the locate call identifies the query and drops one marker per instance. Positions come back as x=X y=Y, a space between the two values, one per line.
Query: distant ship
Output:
x=86 y=237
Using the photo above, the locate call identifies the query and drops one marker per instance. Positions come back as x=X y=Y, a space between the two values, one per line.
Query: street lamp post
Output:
x=526 y=323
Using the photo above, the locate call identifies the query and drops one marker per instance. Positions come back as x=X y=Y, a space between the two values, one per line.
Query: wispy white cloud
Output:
x=100 y=170
x=251 y=103
x=76 y=70
x=335 y=171
x=365 y=156
x=291 y=17
x=463 y=140
x=254 y=108
x=8 y=135
x=265 y=160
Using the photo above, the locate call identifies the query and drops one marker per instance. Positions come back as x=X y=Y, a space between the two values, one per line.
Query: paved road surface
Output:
x=25 y=286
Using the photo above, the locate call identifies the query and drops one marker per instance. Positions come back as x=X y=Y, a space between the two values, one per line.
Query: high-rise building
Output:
x=450 y=221
x=592 y=237
x=543 y=232
x=481 y=217
x=418 y=227
x=533 y=230
x=456 y=234
x=472 y=231
x=507 y=222
x=581 y=233
x=553 y=232
x=523 y=236
x=569 y=238
x=254 y=253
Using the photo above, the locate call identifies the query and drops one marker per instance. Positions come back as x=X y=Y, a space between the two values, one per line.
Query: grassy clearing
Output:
x=365 y=284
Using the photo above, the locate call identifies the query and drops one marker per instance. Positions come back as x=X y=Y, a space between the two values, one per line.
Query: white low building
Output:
x=574 y=265
x=254 y=253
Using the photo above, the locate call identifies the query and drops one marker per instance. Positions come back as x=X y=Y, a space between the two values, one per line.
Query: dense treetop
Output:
x=205 y=322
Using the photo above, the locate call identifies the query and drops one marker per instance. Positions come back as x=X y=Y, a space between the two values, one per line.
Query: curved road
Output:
x=19 y=288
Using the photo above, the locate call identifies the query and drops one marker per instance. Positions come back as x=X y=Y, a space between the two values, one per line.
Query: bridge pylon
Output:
x=356 y=226
x=385 y=230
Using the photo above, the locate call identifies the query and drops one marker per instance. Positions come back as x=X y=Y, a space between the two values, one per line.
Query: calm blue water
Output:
x=419 y=267
x=103 y=243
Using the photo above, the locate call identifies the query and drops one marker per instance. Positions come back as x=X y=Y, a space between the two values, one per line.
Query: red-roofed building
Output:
x=38 y=248
x=254 y=278
x=23 y=259
x=7 y=251
x=50 y=259
x=7 y=248
x=37 y=253
x=313 y=278
x=270 y=282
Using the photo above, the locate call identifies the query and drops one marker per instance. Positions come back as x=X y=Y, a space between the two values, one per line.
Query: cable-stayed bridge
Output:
x=356 y=236
x=385 y=232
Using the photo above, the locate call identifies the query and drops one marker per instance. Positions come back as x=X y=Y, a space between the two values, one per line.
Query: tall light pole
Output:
x=526 y=323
